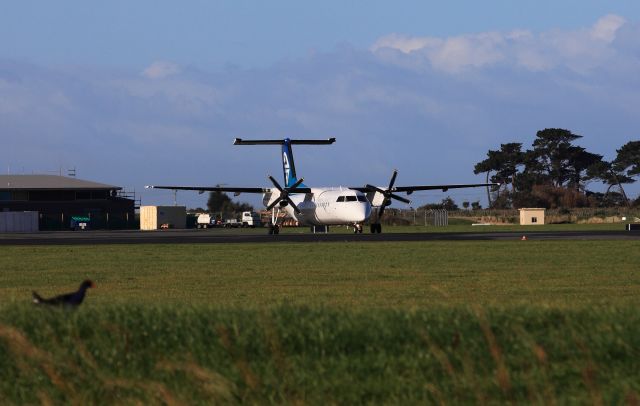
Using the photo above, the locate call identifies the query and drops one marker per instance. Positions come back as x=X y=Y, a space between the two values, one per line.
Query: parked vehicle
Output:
x=231 y=223
x=206 y=220
x=250 y=219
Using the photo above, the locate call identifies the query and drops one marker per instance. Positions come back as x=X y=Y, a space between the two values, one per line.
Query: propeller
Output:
x=388 y=194
x=284 y=195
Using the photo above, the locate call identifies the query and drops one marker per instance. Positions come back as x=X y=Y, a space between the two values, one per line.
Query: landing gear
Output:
x=375 y=228
x=274 y=229
x=357 y=228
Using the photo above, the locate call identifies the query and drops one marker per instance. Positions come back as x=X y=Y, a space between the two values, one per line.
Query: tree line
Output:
x=555 y=173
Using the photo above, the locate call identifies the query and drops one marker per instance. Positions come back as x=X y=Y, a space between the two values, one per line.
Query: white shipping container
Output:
x=18 y=221
x=153 y=217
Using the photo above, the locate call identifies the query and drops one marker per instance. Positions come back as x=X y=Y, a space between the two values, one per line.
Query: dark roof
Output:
x=49 y=182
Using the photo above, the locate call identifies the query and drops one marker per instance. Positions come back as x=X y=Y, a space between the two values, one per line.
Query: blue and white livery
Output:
x=322 y=206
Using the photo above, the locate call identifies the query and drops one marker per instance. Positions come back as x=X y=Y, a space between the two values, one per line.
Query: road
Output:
x=193 y=236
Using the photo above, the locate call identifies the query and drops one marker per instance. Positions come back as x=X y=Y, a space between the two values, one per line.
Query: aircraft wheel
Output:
x=276 y=229
x=379 y=230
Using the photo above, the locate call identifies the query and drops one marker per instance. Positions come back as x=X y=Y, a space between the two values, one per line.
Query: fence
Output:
x=580 y=215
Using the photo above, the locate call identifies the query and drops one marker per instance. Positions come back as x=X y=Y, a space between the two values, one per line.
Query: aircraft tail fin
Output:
x=288 y=165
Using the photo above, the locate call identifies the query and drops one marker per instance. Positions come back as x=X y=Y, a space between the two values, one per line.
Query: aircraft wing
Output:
x=444 y=188
x=202 y=189
x=235 y=190
x=410 y=189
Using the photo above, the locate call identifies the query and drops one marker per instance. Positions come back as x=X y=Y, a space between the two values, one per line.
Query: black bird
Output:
x=72 y=299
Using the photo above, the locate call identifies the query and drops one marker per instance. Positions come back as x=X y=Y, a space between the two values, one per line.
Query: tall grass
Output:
x=297 y=354
x=550 y=322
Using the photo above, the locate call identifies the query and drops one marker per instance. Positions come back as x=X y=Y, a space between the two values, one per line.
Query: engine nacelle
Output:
x=376 y=198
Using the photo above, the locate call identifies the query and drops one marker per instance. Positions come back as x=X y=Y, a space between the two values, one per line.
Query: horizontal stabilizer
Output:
x=240 y=141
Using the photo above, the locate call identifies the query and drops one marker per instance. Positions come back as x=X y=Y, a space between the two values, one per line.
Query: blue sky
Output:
x=132 y=93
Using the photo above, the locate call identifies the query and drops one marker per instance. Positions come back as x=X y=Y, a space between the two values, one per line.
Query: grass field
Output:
x=463 y=322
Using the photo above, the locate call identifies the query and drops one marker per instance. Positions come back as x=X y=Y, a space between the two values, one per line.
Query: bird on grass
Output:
x=71 y=300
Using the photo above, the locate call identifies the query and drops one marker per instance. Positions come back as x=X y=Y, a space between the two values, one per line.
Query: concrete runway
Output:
x=193 y=236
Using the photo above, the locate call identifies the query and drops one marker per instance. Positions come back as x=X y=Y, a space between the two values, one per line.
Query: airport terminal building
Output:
x=60 y=199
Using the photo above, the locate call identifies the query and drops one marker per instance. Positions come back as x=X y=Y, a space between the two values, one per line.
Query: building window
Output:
x=534 y=219
x=20 y=195
x=83 y=195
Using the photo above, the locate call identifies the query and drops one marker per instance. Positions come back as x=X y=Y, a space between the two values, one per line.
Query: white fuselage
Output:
x=327 y=206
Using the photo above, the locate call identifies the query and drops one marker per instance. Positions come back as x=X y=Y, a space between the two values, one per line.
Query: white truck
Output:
x=250 y=219
x=206 y=220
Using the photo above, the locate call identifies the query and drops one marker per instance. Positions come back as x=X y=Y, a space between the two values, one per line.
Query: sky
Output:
x=154 y=92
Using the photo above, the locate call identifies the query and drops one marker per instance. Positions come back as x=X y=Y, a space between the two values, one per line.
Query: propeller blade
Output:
x=272 y=205
x=295 y=185
x=400 y=198
x=393 y=179
x=275 y=183
x=295 y=208
x=381 y=211
x=375 y=188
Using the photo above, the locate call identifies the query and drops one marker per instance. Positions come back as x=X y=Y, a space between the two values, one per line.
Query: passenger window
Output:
x=351 y=199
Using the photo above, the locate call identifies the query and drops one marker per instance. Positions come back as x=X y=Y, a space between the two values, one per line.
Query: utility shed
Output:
x=154 y=217
x=531 y=216
x=18 y=221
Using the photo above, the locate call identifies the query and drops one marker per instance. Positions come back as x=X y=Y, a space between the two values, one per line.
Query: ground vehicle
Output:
x=250 y=219
x=206 y=220
x=231 y=223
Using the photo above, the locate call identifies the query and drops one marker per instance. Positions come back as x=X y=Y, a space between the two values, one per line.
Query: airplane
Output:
x=351 y=206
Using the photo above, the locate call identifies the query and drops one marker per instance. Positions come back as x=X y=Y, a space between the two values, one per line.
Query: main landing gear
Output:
x=375 y=228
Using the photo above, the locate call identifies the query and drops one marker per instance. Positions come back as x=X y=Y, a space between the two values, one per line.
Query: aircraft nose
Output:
x=362 y=212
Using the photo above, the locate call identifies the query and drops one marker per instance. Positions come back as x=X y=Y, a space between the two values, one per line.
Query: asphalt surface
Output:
x=193 y=236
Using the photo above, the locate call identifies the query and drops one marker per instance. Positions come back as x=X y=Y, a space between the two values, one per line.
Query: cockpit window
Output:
x=362 y=199
x=351 y=198
x=341 y=199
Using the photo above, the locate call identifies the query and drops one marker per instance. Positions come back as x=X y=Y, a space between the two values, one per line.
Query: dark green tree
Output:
x=504 y=163
x=220 y=202
x=492 y=163
x=578 y=163
x=552 y=152
x=447 y=203
x=628 y=158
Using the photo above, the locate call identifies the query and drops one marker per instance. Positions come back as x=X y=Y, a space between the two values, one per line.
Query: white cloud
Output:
x=606 y=27
x=405 y=44
x=579 y=50
x=160 y=70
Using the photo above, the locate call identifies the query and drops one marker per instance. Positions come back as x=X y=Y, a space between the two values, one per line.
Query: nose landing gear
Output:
x=357 y=228
x=274 y=229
